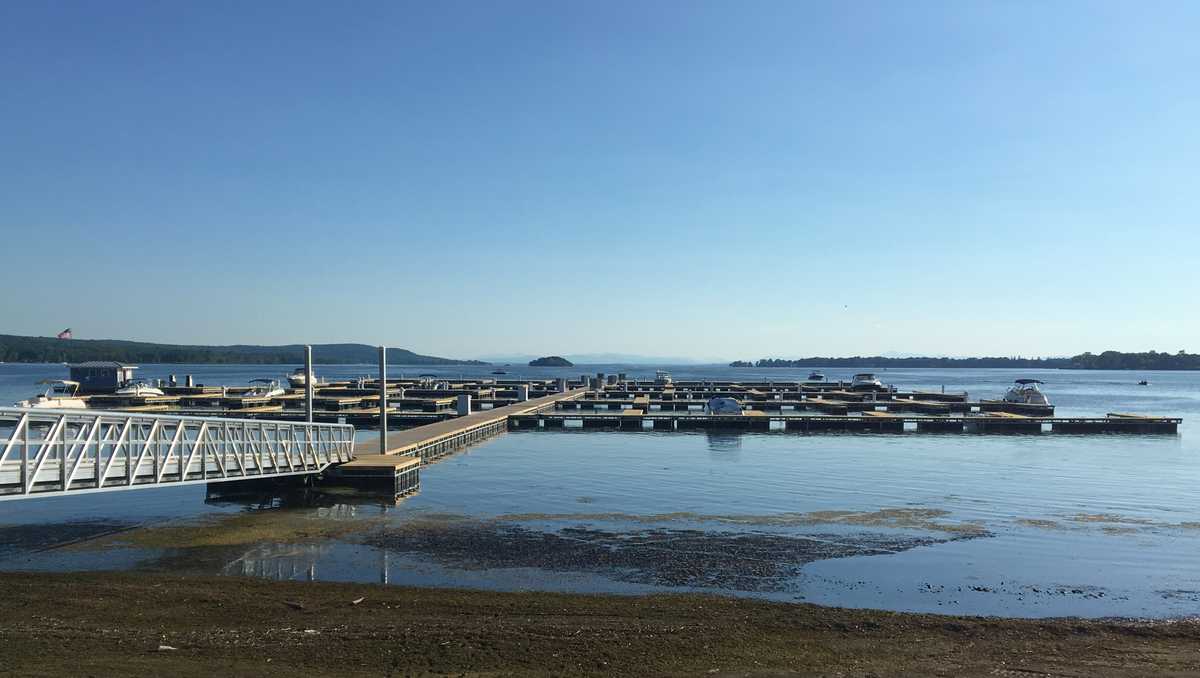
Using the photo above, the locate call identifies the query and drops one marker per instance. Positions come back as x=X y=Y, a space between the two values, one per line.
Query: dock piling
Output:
x=383 y=422
x=308 y=384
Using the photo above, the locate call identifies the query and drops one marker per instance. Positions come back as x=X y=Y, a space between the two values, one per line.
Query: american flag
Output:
x=65 y=334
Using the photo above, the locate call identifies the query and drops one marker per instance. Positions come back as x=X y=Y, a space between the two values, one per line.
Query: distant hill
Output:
x=606 y=359
x=551 y=361
x=1108 y=360
x=14 y=349
x=880 y=361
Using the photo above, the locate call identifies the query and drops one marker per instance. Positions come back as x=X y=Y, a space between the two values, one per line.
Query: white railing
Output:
x=47 y=451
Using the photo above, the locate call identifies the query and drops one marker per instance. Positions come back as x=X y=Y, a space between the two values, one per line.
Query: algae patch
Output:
x=919 y=518
x=237 y=529
x=1040 y=523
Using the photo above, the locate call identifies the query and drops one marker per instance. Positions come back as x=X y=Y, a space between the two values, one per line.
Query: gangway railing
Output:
x=50 y=451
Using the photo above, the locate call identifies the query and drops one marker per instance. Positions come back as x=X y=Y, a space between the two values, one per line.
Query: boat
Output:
x=662 y=377
x=723 y=405
x=1143 y=383
x=499 y=372
x=138 y=389
x=264 y=388
x=60 y=394
x=816 y=376
x=299 y=378
x=865 y=380
x=1026 y=392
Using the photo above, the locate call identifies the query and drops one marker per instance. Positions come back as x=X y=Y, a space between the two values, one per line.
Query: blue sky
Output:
x=712 y=179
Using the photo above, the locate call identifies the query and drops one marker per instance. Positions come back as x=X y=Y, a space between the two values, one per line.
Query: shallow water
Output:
x=1046 y=525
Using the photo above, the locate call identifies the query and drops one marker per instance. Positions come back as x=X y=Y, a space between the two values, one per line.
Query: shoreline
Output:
x=113 y=623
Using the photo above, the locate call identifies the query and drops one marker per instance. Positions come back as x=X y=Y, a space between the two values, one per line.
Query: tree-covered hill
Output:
x=16 y=349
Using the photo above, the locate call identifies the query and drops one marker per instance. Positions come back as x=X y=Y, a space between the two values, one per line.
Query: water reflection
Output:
x=279 y=561
x=330 y=498
x=725 y=445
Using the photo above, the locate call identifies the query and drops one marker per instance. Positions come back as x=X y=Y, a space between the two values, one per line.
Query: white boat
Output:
x=662 y=377
x=60 y=395
x=723 y=405
x=865 y=380
x=138 y=389
x=1026 y=392
x=299 y=379
x=816 y=376
x=264 y=388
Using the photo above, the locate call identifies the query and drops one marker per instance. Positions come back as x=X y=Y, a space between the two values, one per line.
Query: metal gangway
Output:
x=50 y=451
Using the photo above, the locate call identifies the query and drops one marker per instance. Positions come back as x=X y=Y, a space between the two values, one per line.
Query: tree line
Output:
x=1108 y=360
x=17 y=349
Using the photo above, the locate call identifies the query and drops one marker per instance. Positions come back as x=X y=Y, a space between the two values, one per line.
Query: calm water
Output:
x=1015 y=525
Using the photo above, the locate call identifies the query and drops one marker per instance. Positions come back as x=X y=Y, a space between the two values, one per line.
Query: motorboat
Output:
x=865 y=380
x=499 y=372
x=264 y=388
x=816 y=376
x=1143 y=383
x=1026 y=392
x=662 y=377
x=138 y=389
x=299 y=378
x=60 y=395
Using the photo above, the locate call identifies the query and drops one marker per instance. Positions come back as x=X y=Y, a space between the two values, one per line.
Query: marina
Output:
x=436 y=416
x=429 y=417
x=644 y=459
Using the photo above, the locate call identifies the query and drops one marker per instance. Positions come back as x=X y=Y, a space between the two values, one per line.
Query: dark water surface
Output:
x=1015 y=525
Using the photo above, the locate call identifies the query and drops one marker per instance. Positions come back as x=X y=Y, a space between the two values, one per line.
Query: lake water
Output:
x=1104 y=525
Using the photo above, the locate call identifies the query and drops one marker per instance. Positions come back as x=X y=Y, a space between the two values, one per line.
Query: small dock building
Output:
x=101 y=376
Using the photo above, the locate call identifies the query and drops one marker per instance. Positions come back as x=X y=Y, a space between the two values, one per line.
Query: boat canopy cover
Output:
x=721 y=405
x=261 y=381
x=1030 y=381
x=62 y=382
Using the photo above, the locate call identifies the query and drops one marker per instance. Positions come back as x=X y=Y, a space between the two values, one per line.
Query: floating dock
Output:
x=866 y=422
x=795 y=408
x=399 y=463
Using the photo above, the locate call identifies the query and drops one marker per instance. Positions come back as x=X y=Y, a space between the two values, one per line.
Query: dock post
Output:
x=464 y=404
x=188 y=381
x=522 y=393
x=308 y=384
x=383 y=422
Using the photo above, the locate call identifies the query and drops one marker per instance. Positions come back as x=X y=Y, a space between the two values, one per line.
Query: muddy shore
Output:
x=154 y=624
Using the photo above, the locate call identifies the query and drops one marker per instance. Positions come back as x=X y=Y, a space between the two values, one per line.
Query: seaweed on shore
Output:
x=743 y=561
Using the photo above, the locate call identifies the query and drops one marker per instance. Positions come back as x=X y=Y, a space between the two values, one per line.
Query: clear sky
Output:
x=717 y=179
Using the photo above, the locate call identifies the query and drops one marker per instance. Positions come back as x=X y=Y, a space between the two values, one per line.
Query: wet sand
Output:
x=116 y=623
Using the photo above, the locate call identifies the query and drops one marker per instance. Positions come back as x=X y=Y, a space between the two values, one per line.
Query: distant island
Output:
x=1108 y=360
x=16 y=349
x=551 y=361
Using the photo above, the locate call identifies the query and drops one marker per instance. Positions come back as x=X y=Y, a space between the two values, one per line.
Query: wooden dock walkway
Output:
x=414 y=440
